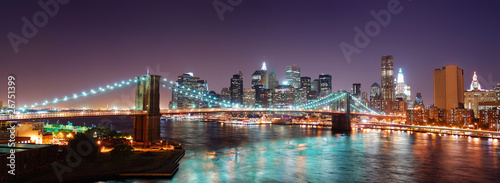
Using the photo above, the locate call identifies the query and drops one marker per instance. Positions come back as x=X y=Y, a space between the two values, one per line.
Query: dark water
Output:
x=278 y=153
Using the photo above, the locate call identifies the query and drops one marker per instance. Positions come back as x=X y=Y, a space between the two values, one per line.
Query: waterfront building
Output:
x=182 y=101
x=293 y=76
x=325 y=85
x=283 y=96
x=449 y=87
x=417 y=116
x=489 y=116
x=387 y=81
x=236 y=89
x=475 y=95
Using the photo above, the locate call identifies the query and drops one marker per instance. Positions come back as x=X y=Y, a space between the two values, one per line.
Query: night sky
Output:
x=93 y=43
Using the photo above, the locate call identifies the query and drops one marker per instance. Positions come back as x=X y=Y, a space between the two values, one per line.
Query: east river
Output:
x=284 y=153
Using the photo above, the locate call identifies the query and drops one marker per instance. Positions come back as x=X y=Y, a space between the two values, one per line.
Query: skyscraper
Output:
x=325 y=84
x=265 y=78
x=293 y=76
x=272 y=80
x=181 y=101
x=257 y=79
x=388 y=89
x=237 y=89
x=356 y=90
x=402 y=89
x=305 y=83
x=449 y=87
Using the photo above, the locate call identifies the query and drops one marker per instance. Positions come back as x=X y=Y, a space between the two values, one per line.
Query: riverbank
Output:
x=162 y=162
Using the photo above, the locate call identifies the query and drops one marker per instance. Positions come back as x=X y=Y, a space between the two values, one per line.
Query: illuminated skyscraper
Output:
x=293 y=76
x=265 y=78
x=402 y=89
x=325 y=85
x=181 y=101
x=449 y=87
x=388 y=89
x=305 y=83
x=237 y=89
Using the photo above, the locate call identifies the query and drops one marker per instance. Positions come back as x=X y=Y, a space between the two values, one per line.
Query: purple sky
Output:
x=93 y=43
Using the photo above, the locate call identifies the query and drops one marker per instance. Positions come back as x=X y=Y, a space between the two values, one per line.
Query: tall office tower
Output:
x=388 y=89
x=449 y=87
x=356 y=89
x=402 y=89
x=293 y=76
x=388 y=92
x=325 y=85
x=237 y=89
x=272 y=80
x=181 y=101
x=265 y=78
x=257 y=80
x=305 y=83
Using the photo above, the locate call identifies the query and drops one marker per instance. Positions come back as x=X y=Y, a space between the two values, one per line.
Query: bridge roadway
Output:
x=217 y=110
x=66 y=115
x=90 y=114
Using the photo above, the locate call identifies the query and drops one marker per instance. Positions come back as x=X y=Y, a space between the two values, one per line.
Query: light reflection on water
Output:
x=277 y=153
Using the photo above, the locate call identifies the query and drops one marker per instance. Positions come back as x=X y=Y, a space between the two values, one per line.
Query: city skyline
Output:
x=93 y=53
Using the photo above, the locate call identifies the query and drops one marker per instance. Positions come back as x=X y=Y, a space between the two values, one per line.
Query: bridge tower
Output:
x=342 y=122
x=147 y=98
